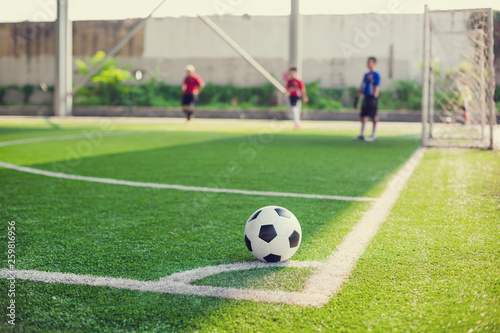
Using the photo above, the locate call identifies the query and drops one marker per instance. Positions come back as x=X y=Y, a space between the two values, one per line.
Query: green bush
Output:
x=402 y=95
x=84 y=99
x=323 y=99
x=106 y=85
x=117 y=89
x=236 y=96
x=28 y=90
x=3 y=89
x=497 y=94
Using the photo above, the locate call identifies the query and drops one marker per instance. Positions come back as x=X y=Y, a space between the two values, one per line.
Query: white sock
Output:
x=362 y=129
x=374 y=133
x=296 y=115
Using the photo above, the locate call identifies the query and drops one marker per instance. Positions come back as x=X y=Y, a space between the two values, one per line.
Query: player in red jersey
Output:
x=296 y=91
x=191 y=87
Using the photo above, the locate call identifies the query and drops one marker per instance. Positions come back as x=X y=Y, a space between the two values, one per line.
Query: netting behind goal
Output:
x=458 y=107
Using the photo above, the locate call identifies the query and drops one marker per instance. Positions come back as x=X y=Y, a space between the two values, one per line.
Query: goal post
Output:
x=458 y=108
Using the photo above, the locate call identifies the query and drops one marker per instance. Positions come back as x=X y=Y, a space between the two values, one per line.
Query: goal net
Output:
x=458 y=108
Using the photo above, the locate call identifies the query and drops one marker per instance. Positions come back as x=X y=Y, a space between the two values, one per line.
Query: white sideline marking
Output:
x=155 y=185
x=329 y=279
x=320 y=287
x=176 y=187
x=61 y=137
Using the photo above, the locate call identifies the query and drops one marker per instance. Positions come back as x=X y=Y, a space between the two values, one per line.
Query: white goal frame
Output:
x=446 y=92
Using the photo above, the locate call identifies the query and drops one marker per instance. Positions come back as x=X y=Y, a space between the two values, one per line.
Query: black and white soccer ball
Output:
x=273 y=234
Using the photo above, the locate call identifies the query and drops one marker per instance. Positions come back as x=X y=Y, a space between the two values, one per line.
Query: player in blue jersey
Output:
x=370 y=88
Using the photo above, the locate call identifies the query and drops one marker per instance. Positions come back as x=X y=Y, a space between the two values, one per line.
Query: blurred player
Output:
x=465 y=99
x=296 y=91
x=370 y=88
x=191 y=87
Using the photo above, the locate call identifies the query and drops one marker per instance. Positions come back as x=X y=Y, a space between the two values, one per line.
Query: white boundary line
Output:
x=62 y=137
x=320 y=287
x=155 y=185
x=340 y=264
x=175 y=187
x=179 y=283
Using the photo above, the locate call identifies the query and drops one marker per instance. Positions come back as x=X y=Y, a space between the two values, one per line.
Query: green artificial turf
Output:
x=317 y=164
x=118 y=231
x=433 y=266
x=274 y=278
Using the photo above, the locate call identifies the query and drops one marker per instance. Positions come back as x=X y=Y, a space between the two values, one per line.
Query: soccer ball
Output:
x=273 y=234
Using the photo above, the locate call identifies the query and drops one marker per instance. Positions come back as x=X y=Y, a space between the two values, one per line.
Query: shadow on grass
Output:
x=52 y=125
x=27 y=130
x=43 y=307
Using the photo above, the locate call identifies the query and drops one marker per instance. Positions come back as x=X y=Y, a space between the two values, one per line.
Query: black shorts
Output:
x=369 y=108
x=294 y=100
x=189 y=100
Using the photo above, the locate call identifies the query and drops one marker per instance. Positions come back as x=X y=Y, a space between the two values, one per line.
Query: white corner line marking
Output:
x=179 y=283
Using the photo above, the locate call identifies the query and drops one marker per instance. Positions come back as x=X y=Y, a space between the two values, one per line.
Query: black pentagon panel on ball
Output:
x=283 y=212
x=248 y=243
x=272 y=258
x=267 y=233
x=254 y=216
x=294 y=239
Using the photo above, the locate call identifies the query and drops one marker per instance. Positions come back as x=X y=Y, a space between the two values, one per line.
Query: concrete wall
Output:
x=27 y=48
x=335 y=48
